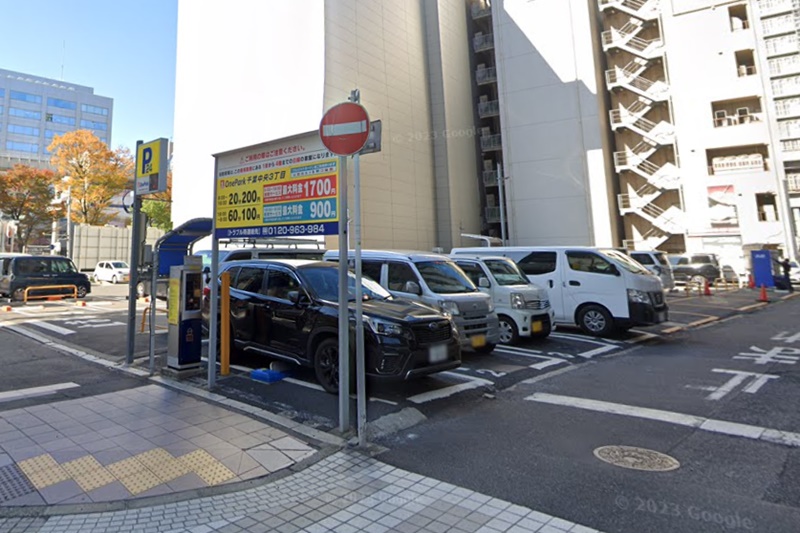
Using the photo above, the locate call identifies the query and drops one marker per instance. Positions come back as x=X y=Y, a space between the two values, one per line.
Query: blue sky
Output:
x=124 y=49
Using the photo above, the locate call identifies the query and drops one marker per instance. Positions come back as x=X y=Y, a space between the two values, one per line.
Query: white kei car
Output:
x=112 y=271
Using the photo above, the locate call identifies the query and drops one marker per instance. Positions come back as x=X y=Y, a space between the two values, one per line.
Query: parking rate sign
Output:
x=152 y=166
x=286 y=188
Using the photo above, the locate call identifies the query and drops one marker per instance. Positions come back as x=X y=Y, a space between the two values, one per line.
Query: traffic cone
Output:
x=751 y=282
x=707 y=289
x=763 y=296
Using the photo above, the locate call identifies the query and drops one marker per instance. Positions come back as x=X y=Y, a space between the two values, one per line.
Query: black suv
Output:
x=287 y=309
x=20 y=272
x=695 y=268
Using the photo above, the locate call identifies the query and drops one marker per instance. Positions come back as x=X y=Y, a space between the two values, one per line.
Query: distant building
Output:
x=34 y=109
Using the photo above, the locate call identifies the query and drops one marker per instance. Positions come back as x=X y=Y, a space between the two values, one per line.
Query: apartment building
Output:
x=34 y=109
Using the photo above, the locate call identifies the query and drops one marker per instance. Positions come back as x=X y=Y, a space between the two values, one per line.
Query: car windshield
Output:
x=444 y=277
x=661 y=258
x=324 y=282
x=624 y=261
x=505 y=272
x=119 y=264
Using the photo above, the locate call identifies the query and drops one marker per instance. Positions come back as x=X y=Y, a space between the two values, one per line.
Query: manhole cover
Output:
x=636 y=458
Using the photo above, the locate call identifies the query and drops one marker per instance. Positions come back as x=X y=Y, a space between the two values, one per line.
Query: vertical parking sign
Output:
x=284 y=188
x=152 y=166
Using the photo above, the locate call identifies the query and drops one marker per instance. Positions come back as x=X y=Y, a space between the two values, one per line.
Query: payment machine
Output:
x=185 y=314
x=765 y=267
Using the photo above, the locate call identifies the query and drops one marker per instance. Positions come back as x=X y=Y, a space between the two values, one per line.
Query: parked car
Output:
x=658 y=265
x=287 y=309
x=112 y=271
x=600 y=290
x=695 y=268
x=523 y=309
x=23 y=271
x=436 y=280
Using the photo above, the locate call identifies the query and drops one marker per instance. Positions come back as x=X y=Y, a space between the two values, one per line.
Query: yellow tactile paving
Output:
x=172 y=469
x=35 y=464
x=140 y=481
x=153 y=459
x=126 y=467
x=51 y=476
x=198 y=459
x=82 y=466
x=95 y=479
x=214 y=473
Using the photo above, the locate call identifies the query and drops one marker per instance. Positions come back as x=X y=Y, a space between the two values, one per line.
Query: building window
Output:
x=49 y=134
x=767 y=207
x=22 y=147
x=736 y=112
x=61 y=119
x=776 y=25
x=63 y=104
x=2 y=93
x=789 y=129
x=86 y=108
x=786 y=86
x=25 y=97
x=24 y=113
x=1 y=110
x=745 y=63
x=92 y=125
x=738 y=17
x=785 y=44
x=23 y=130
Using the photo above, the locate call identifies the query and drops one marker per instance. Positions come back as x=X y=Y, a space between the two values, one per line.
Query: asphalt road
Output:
x=534 y=443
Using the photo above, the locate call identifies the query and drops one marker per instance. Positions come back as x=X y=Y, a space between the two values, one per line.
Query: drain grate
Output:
x=636 y=458
x=13 y=483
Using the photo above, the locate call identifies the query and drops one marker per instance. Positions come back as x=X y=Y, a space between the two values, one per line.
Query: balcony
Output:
x=792 y=147
x=774 y=7
x=793 y=183
x=489 y=109
x=480 y=11
x=493 y=215
x=738 y=163
x=481 y=43
x=724 y=120
x=778 y=25
x=491 y=143
x=486 y=75
x=784 y=65
x=490 y=178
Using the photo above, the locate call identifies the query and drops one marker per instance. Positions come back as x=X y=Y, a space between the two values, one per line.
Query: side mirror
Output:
x=484 y=282
x=298 y=297
x=614 y=270
x=412 y=287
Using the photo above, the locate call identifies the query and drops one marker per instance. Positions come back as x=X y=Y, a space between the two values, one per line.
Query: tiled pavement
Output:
x=139 y=442
x=345 y=492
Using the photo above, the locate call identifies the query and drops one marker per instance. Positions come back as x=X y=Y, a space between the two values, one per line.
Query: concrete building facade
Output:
x=34 y=109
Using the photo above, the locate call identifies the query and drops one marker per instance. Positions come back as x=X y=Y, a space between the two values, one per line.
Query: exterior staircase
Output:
x=642 y=9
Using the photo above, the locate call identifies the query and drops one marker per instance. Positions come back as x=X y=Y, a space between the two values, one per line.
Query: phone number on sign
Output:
x=299 y=229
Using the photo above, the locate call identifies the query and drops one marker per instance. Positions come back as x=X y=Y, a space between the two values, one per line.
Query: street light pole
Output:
x=69 y=220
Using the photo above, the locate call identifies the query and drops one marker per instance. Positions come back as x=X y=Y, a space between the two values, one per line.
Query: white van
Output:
x=600 y=290
x=523 y=308
x=436 y=280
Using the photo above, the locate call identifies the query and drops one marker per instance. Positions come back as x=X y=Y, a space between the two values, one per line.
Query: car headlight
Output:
x=517 y=300
x=449 y=307
x=637 y=296
x=491 y=306
x=384 y=327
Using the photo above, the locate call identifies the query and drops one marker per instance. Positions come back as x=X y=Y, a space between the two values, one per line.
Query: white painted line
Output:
x=552 y=361
x=723 y=427
x=574 y=337
x=345 y=128
x=597 y=351
x=35 y=391
x=52 y=327
x=643 y=336
x=305 y=384
x=462 y=378
x=518 y=351
x=445 y=392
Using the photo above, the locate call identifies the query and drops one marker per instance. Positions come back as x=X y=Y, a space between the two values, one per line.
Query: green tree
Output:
x=94 y=174
x=26 y=195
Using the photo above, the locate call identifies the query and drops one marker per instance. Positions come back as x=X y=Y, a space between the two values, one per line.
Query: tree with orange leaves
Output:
x=26 y=194
x=93 y=173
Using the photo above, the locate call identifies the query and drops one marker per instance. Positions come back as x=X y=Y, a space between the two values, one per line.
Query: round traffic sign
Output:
x=344 y=128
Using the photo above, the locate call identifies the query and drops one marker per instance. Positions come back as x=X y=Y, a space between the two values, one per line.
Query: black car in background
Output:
x=18 y=272
x=287 y=309
x=695 y=268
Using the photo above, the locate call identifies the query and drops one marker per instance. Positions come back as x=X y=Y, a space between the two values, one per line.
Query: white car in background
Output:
x=112 y=271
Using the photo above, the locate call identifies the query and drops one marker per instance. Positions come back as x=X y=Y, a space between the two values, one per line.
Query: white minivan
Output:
x=600 y=290
x=437 y=281
x=523 y=308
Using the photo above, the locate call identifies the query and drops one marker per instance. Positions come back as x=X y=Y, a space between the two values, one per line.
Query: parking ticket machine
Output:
x=185 y=314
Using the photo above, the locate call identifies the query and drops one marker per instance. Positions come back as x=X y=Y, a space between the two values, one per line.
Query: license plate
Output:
x=437 y=353
x=662 y=316
x=537 y=326
x=478 y=341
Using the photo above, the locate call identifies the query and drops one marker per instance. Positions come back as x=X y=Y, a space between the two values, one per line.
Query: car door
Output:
x=287 y=320
x=65 y=273
x=542 y=268
x=590 y=277
x=397 y=275
x=474 y=272
x=246 y=298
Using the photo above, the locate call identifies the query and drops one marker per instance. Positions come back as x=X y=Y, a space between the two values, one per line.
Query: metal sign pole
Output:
x=501 y=186
x=153 y=300
x=134 y=270
x=213 y=293
x=344 y=319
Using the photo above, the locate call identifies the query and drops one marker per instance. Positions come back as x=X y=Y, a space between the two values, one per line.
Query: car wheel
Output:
x=486 y=348
x=326 y=364
x=140 y=290
x=82 y=291
x=19 y=294
x=509 y=334
x=595 y=320
x=114 y=280
x=698 y=280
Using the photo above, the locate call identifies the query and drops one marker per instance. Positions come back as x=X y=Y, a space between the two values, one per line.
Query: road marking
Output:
x=445 y=392
x=786 y=438
x=550 y=361
x=597 y=351
x=32 y=392
x=306 y=384
x=738 y=378
x=574 y=337
x=52 y=327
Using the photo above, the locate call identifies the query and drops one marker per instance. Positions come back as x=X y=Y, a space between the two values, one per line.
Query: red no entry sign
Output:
x=345 y=128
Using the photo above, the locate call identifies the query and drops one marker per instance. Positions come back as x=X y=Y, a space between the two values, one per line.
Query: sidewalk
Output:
x=165 y=456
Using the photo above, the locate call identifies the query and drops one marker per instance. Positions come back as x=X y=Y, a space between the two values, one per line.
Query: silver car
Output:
x=657 y=263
